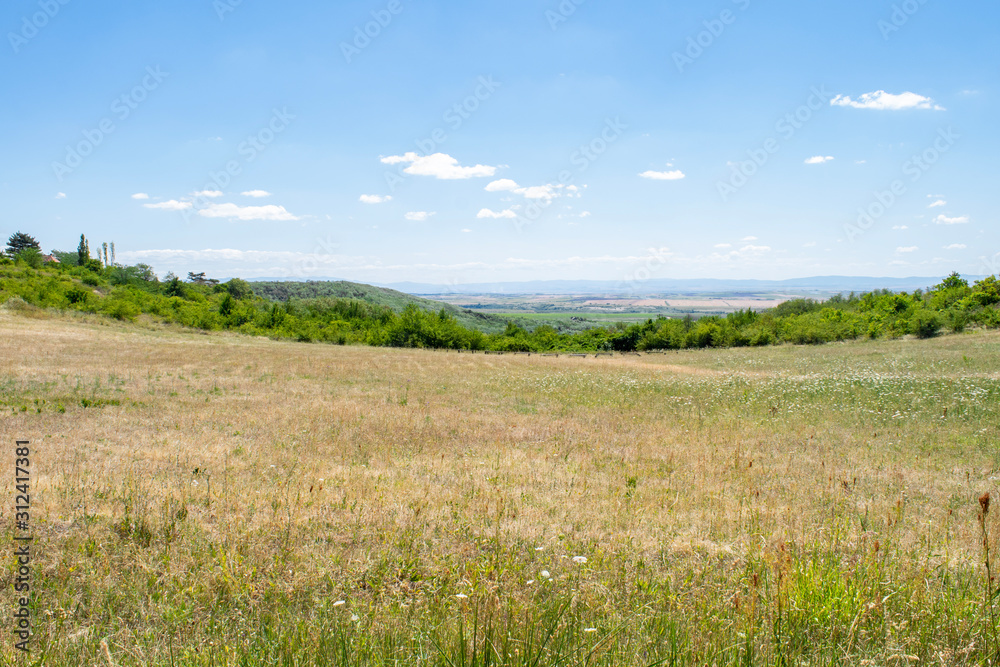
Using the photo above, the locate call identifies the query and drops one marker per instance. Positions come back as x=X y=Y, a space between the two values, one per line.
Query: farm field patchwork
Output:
x=215 y=499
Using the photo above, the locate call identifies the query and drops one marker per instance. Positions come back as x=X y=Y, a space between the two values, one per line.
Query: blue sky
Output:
x=439 y=142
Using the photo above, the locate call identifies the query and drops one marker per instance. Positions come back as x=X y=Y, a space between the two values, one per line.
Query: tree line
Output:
x=81 y=283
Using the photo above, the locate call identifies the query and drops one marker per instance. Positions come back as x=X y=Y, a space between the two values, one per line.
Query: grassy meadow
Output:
x=216 y=499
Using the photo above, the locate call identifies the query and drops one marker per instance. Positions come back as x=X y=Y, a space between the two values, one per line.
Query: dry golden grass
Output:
x=217 y=485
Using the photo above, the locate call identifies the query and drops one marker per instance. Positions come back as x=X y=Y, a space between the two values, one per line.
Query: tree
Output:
x=239 y=289
x=19 y=241
x=82 y=251
x=952 y=281
x=67 y=258
x=197 y=278
x=31 y=257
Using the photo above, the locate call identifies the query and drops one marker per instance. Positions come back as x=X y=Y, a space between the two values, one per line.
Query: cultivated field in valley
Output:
x=217 y=499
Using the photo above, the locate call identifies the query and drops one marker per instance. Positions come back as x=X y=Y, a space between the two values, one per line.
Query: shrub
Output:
x=925 y=323
x=77 y=295
x=121 y=309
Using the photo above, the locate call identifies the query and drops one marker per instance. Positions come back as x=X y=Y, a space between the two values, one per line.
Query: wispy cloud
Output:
x=418 y=216
x=487 y=213
x=234 y=211
x=140 y=195
x=256 y=193
x=911 y=248
x=935 y=204
x=818 y=159
x=374 y=199
x=548 y=191
x=209 y=193
x=61 y=195
x=899 y=227
x=945 y=220
x=884 y=101
x=439 y=165
x=674 y=175
x=170 y=205
x=955 y=246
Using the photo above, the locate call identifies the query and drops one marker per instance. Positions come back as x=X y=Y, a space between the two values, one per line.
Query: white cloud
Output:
x=886 y=101
x=584 y=214
x=256 y=193
x=945 y=220
x=900 y=227
x=548 y=191
x=674 y=175
x=230 y=210
x=861 y=162
x=502 y=185
x=487 y=213
x=140 y=195
x=747 y=239
x=171 y=205
x=466 y=231
x=209 y=193
x=723 y=245
x=955 y=246
x=538 y=192
x=61 y=195
x=418 y=216
x=811 y=244
x=939 y=202
x=439 y=165
x=818 y=159
x=911 y=248
x=374 y=199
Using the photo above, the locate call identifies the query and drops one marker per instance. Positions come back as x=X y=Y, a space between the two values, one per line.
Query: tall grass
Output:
x=220 y=500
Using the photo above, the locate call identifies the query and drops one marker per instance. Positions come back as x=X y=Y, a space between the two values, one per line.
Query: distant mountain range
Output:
x=820 y=285
x=816 y=284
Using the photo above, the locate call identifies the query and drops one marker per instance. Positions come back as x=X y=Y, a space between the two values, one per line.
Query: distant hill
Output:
x=279 y=290
x=821 y=285
x=818 y=285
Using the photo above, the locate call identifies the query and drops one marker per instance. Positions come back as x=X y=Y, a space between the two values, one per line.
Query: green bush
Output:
x=925 y=323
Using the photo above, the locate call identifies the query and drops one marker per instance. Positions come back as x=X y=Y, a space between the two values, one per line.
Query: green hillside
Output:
x=281 y=291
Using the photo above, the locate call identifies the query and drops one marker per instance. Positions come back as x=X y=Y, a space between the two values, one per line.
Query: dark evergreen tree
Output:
x=19 y=241
x=82 y=251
